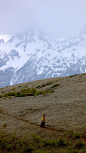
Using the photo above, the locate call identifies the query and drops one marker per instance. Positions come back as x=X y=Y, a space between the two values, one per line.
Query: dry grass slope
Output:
x=62 y=99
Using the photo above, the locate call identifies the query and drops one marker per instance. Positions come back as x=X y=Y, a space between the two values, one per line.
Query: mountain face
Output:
x=32 y=56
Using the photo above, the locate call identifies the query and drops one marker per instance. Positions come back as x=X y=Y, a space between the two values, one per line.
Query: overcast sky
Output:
x=57 y=18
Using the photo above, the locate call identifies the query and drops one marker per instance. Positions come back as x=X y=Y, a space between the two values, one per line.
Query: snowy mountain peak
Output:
x=32 y=55
x=1 y=40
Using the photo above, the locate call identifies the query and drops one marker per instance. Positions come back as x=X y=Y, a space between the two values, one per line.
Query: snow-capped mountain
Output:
x=32 y=56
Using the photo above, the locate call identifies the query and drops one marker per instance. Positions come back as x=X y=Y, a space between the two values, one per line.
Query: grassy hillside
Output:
x=62 y=100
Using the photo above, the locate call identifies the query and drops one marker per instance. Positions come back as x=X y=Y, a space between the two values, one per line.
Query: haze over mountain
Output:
x=55 y=18
x=41 y=39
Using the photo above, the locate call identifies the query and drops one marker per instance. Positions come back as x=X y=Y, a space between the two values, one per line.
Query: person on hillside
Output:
x=43 y=121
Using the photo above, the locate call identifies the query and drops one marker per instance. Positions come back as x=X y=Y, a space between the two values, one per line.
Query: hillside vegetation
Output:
x=62 y=100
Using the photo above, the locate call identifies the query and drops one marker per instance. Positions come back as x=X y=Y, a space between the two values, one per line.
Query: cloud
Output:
x=57 y=18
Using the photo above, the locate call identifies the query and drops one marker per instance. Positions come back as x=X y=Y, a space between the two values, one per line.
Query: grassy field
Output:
x=62 y=100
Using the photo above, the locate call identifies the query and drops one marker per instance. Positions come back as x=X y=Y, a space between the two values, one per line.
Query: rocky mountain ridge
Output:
x=33 y=56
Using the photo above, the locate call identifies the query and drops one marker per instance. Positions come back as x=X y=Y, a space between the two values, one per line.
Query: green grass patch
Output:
x=29 y=92
x=36 y=138
x=6 y=94
x=51 y=91
x=43 y=85
x=55 y=85
x=26 y=86
x=48 y=83
x=79 y=145
x=9 y=94
x=19 y=86
x=19 y=94
x=61 y=143
x=49 y=142
x=73 y=75
x=38 y=92
x=11 y=143
x=1 y=96
x=2 y=135
x=73 y=151
x=38 y=87
x=24 y=90
x=76 y=135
